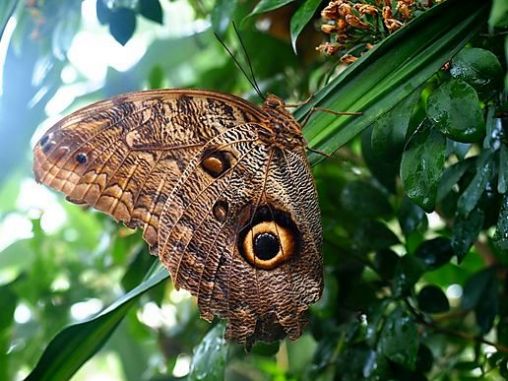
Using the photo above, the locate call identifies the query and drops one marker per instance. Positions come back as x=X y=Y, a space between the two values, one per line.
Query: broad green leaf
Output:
x=487 y=308
x=122 y=24
x=209 y=360
x=451 y=176
x=221 y=15
x=151 y=9
x=385 y=263
x=383 y=170
x=474 y=288
x=435 y=252
x=407 y=272
x=269 y=5
x=389 y=131
x=481 y=294
x=301 y=18
x=425 y=359
x=364 y=200
x=422 y=166
x=411 y=217
x=485 y=169
x=399 y=339
x=373 y=235
x=74 y=345
x=465 y=232
x=454 y=108
x=478 y=67
x=499 y=14
x=433 y=300
x=379 y=80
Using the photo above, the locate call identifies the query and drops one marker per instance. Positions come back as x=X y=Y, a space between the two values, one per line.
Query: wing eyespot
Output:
x=220 y=210
x=215 y=163
x=81 y=158
x=271 y=239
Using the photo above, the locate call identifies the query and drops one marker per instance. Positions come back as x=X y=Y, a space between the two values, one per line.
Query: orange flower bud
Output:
x=356 y=22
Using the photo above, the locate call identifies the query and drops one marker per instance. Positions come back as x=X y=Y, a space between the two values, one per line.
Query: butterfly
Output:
x=221 y=189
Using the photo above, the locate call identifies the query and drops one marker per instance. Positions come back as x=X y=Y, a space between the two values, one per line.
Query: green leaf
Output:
x=102 y=11
x=385 y=262
x=384 y=171
x=75 y=344
x=502 y=183
x=151 y=9
x=425 y=359
x=481 y=294
x=478 y=67
x=364 y=200
x=209 y=360
x=411 y=217
x=409 y=269
x=268 y=5
x=465 y=232
x=373 y=235
x=487 y=309
x=389 y=73
x=122 y=24
x=501 y=235
x=389 y=131
x=399 y=339
x=8 y=301
x=301 y=18
x=454 y=108
x=422 y=166
x=431 y=299
x=451 y=176
x=436 y=252
x=485 y=169
x=222 y=14
x=475 y=288
x=499 y=14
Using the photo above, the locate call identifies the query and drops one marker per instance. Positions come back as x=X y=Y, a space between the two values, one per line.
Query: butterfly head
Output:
x=282 y=125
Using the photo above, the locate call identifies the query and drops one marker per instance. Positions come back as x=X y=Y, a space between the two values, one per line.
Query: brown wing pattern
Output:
x=190 y=169
x=123 y=156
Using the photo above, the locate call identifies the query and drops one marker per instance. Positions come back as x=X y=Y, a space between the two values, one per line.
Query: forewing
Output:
x=124 y=156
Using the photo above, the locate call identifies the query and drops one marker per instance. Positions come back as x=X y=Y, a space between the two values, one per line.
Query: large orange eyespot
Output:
x=270 y=239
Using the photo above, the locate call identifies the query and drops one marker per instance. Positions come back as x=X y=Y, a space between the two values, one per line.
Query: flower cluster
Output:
x=354 y=26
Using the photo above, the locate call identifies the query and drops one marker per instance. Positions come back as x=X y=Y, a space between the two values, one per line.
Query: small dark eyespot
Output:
x=44 y=140
x=220 y=210
x=81 y=158
x=49 y=144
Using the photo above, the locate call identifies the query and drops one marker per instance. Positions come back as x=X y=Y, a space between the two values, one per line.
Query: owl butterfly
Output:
x=221 y=188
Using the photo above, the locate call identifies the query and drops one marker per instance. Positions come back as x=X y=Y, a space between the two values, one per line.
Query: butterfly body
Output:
x=221 y=189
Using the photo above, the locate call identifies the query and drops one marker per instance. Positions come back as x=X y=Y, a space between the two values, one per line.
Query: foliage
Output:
x=413 y=197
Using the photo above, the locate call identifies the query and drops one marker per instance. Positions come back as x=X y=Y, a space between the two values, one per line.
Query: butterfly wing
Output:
x=124 y=155
x=189 y=169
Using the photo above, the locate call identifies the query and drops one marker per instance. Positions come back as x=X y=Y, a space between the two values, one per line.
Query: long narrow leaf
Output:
x=75 y=344
x=390 y=72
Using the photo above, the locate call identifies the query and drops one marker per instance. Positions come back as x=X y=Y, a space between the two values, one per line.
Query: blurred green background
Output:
x=414 y=203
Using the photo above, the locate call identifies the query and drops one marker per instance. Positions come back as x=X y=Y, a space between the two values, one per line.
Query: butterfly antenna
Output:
x=237 y=63
x=249 y=63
